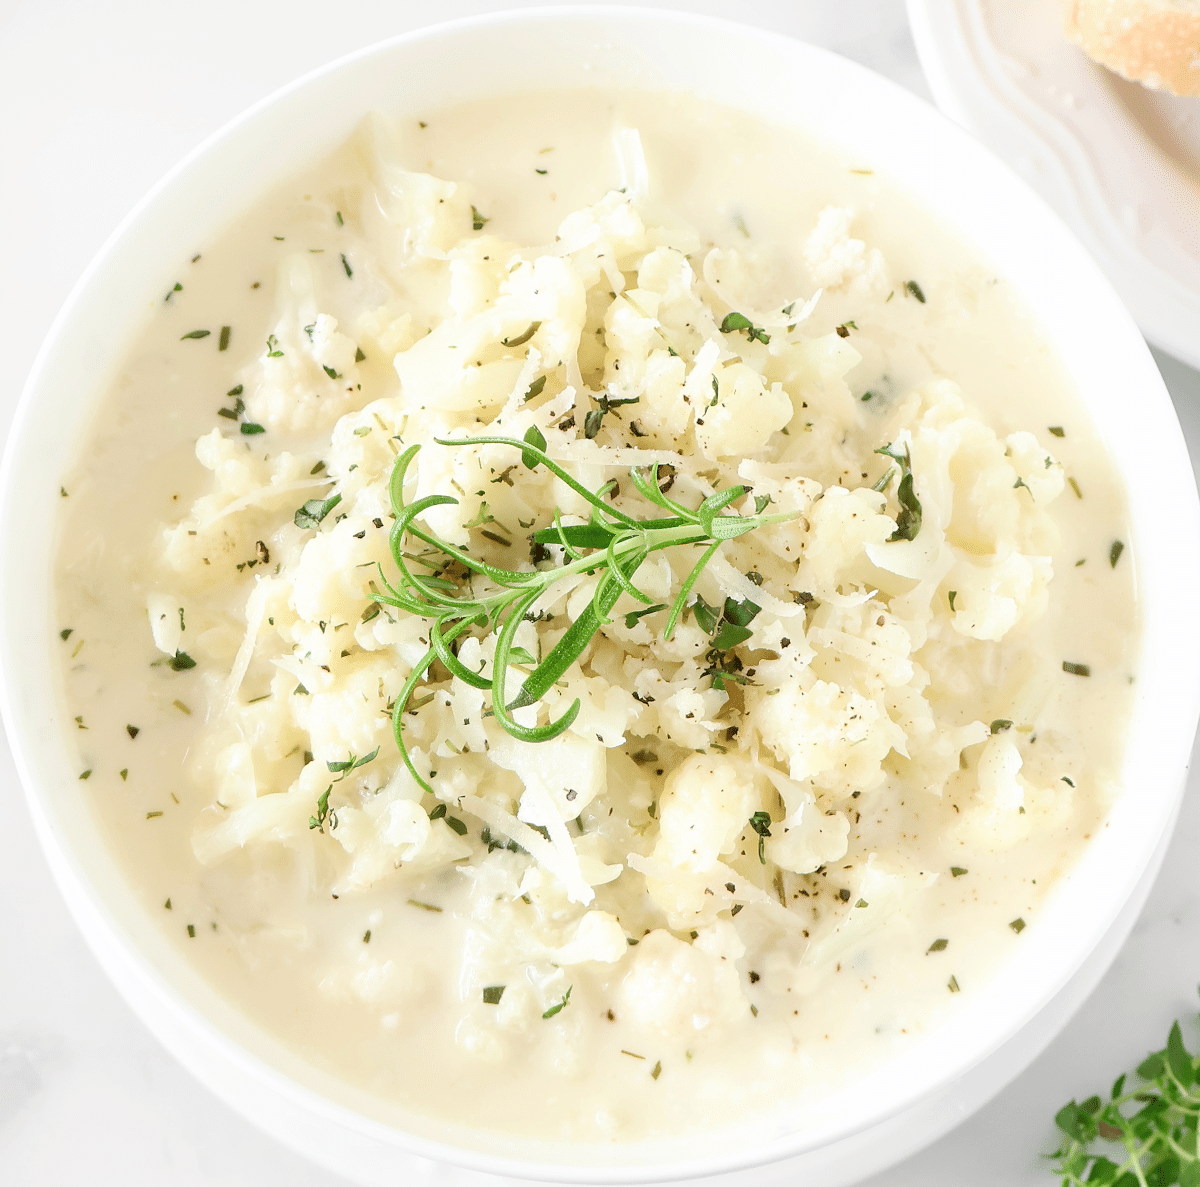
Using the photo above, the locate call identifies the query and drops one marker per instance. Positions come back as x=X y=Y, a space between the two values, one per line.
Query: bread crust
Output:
x=1155 y=42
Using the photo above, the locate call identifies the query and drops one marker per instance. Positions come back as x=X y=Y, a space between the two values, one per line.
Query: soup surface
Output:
x=771 y=850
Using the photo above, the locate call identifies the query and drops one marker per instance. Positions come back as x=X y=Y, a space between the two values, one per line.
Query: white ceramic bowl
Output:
x=888 y=1112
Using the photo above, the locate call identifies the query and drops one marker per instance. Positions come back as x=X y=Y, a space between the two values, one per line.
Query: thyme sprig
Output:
x=1154 y=1121
x=465 y=592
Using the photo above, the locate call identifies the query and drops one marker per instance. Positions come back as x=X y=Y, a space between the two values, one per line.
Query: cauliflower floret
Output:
x=841 y=524
x=992 y=597
x=306 y=376
x=809 y=840
x=833 y=736
x=704 y=808
x=676 y=988
x=742 y=414
x=836 y=260
x=570 y=769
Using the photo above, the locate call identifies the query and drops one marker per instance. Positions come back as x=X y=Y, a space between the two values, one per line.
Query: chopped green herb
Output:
x=86 y=774
x=915 y=289
x=181 y=662
x=324 y=813
x=412 y=902
x=337 y=214
x=330 y=372
x=1076 y=669
x=152 y=815
x=124 y=773
x=223 y=343
x=632 y=617
x=1001 y=723
x=132 y=730
x=523 y=337
x=191 y=928
x=195 y=334
x=478 y=220
x=1114 y=553
x=1075 y=487
x=66 y=633
x=957 y=871
x=656 y=1071
x=937 y=946
x=367 y=936
x=760 y=822
x=346 y=265
x=951 y=596
x=492 y=994
x=311 y=513
x=952 y=984
x=558 y=1007
x=351 y=764
x=908 y=521
x=737 y=321
x=359 y=357
x=250 y=429
x=273 y=351
x=1018 y=925
x=1057 y=431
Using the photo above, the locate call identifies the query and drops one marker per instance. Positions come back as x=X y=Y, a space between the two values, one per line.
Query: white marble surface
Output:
x=96 y=102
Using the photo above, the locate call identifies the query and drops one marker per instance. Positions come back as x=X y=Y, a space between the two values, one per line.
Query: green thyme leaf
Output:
x=533 y=436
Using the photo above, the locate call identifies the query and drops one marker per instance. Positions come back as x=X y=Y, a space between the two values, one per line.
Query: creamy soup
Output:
x=770 y=851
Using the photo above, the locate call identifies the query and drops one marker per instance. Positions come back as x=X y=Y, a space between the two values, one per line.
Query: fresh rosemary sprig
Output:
x=613 y=544
x=1155 y=1122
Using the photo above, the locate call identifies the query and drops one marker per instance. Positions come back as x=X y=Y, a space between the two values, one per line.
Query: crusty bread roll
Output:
x=1156 y=42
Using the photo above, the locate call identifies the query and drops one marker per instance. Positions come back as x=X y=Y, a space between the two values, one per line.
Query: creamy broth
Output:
x=366 y=985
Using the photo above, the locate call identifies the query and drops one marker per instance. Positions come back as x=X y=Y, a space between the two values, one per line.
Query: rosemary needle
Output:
x=613 y=544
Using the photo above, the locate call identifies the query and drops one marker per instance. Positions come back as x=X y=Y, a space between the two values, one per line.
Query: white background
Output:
x=97 y=101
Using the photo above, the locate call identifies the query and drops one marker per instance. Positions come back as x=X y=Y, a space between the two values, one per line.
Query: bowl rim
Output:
x=39 y=390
